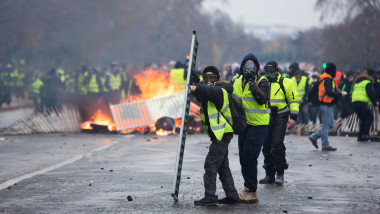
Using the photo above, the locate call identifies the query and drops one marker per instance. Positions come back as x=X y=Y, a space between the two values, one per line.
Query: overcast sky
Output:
x=296 y=13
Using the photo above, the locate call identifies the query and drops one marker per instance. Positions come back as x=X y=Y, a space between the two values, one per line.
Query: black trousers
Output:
x=365 y=116
x=274 y=147
x=217 y=163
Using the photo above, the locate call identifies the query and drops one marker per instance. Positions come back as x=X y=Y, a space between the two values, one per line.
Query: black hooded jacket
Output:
x=205 y=93
x=369 y=87
x=261 y=91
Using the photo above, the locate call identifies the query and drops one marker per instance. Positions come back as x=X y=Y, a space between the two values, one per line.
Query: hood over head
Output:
x=252 y=57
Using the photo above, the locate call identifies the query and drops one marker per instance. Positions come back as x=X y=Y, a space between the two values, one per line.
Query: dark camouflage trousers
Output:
x=217 y=163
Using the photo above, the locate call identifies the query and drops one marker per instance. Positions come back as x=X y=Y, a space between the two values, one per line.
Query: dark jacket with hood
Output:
x=260 y=92
x=369 y=87
x=205 y=93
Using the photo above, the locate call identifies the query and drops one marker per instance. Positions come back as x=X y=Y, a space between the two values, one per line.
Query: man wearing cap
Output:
x=327 y=95
x=215 y=109
x=282 y=94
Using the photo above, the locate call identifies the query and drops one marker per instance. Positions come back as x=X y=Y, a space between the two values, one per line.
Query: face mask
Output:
x=270 y=73
x=249 y=67
x=350 y=79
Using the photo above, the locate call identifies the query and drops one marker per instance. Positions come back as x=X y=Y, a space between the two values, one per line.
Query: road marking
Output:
x=56 y=166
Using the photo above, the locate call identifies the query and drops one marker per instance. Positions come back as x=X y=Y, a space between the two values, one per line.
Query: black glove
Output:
x=250 y=76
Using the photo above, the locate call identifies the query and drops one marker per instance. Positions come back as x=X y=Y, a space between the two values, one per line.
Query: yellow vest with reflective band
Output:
x=278 y=98
x=93 y=86
x=176 y=75
x=301 y=86
x=115 y=81
x=256 y=114
x=62 y=73
x=310 y=83
x=81 y=87
x=218 y=123
x=70 y=85
x=103 y=80
x=360 y=94
x=36 y=85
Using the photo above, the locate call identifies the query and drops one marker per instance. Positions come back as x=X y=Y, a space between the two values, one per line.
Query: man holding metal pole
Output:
x=215 y=110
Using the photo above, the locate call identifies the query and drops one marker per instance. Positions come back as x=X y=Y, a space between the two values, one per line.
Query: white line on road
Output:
x=56 y=166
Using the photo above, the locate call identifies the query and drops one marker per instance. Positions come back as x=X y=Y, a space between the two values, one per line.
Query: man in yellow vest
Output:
x=94 y=84
x=254 y=91
x=114 y=81
x=301 y=83
x=215 y=109
x=327 y=95
x=35 y=92
x=363 y=96
x=177 y=75
x=284 y=102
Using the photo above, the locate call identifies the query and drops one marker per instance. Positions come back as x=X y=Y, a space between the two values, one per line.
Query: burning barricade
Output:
x=156 y=110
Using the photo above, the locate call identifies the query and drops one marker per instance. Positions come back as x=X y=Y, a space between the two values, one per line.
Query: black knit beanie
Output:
x=212 y=69
x=331 y=69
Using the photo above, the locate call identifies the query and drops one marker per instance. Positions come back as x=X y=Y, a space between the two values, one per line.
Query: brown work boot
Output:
x=248 y=196
x=328 y=149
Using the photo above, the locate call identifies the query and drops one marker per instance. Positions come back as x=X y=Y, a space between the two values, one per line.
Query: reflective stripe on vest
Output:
x=176 y=75
x=278 y=98
x=301 y=86
x=218 y=123
x=256 y=114
x=360 y=94
x=36 y=86
x=93 y=86
x=322 y=96
x=115 y=81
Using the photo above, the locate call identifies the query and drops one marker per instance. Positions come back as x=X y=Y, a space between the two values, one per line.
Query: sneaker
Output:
x=328 y=149
x=248 y=196
x=268 y=179
x=206 y=202
x=314 y=142
x=228 y=200
x=279 y=181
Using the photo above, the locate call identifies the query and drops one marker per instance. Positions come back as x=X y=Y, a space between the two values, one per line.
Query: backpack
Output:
x=312 y=96
x=239 y=121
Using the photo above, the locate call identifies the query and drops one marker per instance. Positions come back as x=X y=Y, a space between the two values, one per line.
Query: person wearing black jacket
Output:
x=213 y=97
x=328 y=95
x=362 y=97
x=346 y=86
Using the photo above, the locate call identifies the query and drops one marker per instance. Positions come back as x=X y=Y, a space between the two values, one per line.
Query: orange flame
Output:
x=153 y=84
x=100 y=119
x=162 y=132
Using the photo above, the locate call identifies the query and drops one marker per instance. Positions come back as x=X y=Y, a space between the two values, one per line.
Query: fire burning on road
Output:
x=152 y=84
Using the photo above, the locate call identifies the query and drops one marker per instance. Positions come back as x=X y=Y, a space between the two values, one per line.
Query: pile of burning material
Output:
x=64 y=120
x=99 y=123
x=156 y=110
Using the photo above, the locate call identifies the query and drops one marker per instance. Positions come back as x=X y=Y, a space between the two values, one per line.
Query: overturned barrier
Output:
x=64 y=120
x=342 y=126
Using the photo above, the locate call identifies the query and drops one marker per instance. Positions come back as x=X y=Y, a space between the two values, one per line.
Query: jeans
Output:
x=303 y=115
x=250 y=144
x=327 y=124
x=314 y=110
x=217 y=163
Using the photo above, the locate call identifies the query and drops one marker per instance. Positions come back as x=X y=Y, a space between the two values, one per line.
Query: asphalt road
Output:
x=92 y=173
